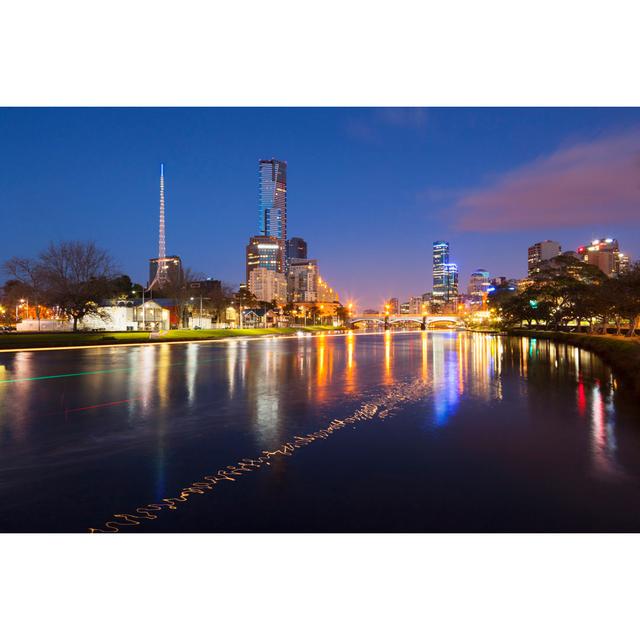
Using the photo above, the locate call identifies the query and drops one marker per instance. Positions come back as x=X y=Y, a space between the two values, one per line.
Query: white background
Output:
x=402 y=53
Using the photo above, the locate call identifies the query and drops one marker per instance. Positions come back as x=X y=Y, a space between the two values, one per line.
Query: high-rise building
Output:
x=296 y=249
x=445 y=274
x=451 y=282
x=264 y=251
x=605 y=254
x=268 y=285
x=302 y=280
x=272 y=202
x=164 y=270
x=478 y=285
x=541 y=252
x=440 y=258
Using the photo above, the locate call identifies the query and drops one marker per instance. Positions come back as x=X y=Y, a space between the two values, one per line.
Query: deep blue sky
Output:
x=369 y=189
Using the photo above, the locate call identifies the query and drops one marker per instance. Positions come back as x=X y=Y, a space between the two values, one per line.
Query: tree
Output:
x=28 y=274
x=181 y=294
x=628 y=305
x=245 y=298
x=76 y=277
x=123 y=288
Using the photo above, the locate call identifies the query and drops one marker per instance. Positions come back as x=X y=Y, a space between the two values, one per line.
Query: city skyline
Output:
x=335 y=199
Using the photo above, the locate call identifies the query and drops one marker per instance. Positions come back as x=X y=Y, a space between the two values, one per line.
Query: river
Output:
x=411 y=431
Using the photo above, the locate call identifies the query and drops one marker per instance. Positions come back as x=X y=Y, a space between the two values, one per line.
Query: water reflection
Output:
x=552 y=367
x=177 y=407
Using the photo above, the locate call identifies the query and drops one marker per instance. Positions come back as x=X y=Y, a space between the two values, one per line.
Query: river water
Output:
x=416 y=431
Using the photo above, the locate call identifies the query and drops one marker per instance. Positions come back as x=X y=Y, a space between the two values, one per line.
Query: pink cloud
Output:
x=585 y=183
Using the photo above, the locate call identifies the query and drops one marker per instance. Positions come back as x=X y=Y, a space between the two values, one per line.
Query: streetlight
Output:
x=200 y=316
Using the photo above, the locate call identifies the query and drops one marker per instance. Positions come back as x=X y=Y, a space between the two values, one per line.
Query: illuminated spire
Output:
x=161 y=245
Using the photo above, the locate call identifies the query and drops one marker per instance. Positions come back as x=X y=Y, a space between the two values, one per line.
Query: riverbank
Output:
x=34 y=341
x=621 y=353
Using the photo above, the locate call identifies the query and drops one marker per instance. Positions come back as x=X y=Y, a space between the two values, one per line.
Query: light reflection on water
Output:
x=239 y=397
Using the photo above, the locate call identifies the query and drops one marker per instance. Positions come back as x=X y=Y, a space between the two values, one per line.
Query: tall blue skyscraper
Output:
x=272 y=198
x=272 y=203
x=445 y=274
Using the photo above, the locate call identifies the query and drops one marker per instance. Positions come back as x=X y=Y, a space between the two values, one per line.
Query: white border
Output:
x=493 y=52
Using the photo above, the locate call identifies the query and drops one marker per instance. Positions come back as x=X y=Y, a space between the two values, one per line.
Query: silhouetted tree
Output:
x=75 y=277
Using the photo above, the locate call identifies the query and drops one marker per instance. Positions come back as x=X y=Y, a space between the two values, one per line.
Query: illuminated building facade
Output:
x=605 y=254
x=268 y=285
x=445 y=275
x=478 y=284
x=541 y=252
x=272 y=202
x=302 y=280
x=305 y=284
x=264 y=251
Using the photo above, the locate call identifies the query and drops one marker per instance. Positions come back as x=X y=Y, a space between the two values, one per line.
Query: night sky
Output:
x=369 y=189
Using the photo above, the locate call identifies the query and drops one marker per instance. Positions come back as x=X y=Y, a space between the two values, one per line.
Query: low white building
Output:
x=128 y=315
x=121 y=315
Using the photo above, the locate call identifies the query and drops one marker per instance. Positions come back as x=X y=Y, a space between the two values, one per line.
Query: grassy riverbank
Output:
x=623 y=354
x=60 y=339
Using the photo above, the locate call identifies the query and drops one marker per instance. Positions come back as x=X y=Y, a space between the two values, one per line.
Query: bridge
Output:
x=424 y=321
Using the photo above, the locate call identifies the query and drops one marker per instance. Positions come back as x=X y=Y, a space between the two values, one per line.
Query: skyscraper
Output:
x=478 y=285
x=272 y=201
x=163 y=270
x=302 y=280
x=440 y=258
x=541 y=252
x=264 y=251
x=296 y=249
x=445 y=274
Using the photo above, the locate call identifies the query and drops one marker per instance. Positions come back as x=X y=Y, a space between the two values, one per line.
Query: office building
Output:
x=541 y=252
x=445 y=275
x=302 y=280
x=296 y=248
x=605 y=254
x=478 y=285
x=268 y=285
x=272 y=202
x=264 y=251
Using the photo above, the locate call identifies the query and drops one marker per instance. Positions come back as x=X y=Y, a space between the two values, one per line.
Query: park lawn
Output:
x=212 y=334
x=60 y=339
x=64 y=339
